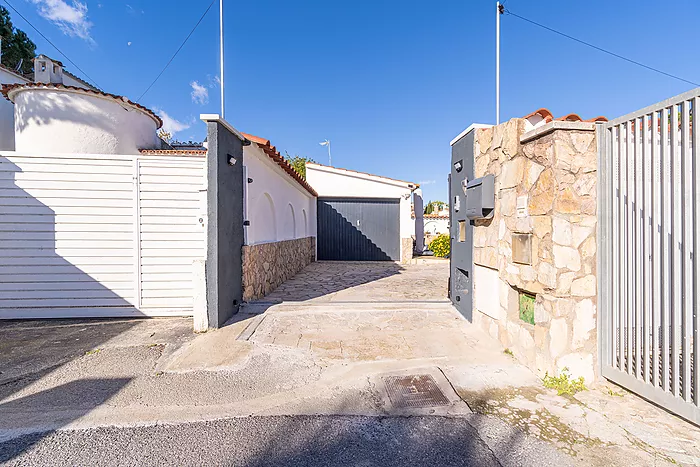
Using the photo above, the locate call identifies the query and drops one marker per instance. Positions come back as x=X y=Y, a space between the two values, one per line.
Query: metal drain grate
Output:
x=414 y=391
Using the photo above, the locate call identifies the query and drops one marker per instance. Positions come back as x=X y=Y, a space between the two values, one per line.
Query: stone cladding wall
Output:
x=546 y=188
x=267 y=265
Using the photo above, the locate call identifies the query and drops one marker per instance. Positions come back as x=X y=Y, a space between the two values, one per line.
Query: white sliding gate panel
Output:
x=75 y=240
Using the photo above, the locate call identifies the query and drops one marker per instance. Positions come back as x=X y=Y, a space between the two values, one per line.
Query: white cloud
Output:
x=170 y=124
x=200 y=94
x=128 y=43
x=71 y=19
x=426 y=182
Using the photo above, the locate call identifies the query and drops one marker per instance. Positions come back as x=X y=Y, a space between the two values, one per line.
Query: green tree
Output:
x=16 y=45
x=298 y=163
x=433 y=206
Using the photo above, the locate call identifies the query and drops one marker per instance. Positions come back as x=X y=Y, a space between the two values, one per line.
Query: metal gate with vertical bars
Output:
x=649 y=209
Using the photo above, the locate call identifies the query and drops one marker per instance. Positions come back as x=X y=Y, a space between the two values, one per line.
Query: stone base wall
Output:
x=267 y=265
x=406 y=250
x=546 y=201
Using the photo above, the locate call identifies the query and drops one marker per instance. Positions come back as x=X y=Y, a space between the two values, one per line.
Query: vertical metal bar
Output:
x=646 y=242
x=676 y=231
x=221 y=54
x=622 y=251
x=696 y=245
x=137 y=233
x=687 y=219
x=656 y=244
x=638 y=250
x=603 y=244
x=666 y=280
x=615 y=254
x=630 y=248
x=498 y=63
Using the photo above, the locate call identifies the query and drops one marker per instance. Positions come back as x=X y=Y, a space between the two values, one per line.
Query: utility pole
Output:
x=499 y=12
x=221 y=52
x=327 y=143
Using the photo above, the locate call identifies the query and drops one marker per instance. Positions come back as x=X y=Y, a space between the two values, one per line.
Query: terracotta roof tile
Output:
x=273 y=154
x=570 y=118
x=597 y=119
x=544 y=113
x=548 y=117
x=7 y=88
x=435 y=216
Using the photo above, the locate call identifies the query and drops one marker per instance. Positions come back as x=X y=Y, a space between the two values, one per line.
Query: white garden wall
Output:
x=277 y=206
x=87 y=235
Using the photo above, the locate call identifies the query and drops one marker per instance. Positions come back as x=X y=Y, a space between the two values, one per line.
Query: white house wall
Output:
x=7 y=112
x=281 y=237
x=278 y=207
x=64 y=121
x=98 y=236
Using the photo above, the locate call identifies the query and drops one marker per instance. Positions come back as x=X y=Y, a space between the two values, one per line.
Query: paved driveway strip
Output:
x=366 y=381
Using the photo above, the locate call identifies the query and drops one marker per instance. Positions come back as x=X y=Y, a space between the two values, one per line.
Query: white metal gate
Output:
x=648 y=273
x=86 y=235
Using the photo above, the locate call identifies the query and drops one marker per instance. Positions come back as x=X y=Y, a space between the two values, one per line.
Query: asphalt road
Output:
x=288 y=441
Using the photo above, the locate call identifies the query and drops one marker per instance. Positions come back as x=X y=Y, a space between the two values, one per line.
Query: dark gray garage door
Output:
x=358 y=229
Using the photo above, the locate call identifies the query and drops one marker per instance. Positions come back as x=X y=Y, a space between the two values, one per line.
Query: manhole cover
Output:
x=414 y=391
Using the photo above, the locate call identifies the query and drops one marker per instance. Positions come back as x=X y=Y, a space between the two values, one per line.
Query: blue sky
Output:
x=389 y=82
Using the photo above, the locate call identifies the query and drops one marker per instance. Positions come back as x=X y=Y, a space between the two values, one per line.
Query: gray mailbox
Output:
x=480 y=197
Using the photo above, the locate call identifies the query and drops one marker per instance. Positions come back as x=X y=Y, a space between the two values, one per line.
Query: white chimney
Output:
x=47 y=70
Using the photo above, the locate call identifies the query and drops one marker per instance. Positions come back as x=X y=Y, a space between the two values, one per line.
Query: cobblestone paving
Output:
x=336 y=281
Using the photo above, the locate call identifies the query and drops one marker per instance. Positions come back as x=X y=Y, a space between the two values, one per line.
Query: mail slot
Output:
x=480 y=197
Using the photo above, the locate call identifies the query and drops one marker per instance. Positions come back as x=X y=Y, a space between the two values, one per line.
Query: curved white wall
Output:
x=67 y=121
x=271 y=185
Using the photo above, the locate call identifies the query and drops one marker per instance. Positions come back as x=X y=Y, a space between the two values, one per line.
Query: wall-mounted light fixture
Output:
x=250 y=180
x=458 y=166
x=246 y=223
x=231 y=160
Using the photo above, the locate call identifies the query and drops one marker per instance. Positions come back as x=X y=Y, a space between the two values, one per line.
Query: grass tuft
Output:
x=564 y=384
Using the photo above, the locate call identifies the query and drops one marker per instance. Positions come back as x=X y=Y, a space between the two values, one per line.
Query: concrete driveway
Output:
x=351 y=281
x=343 y=375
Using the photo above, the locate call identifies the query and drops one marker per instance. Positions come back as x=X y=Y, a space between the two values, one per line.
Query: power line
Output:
x=52 y=44
x=176 y=52
x=601 y=49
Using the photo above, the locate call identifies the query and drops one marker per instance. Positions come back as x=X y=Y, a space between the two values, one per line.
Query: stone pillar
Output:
x=542 y=241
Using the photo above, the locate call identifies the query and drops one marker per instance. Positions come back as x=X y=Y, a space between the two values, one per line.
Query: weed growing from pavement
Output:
x=93 y=352
x=508 y=352
x=563 y=383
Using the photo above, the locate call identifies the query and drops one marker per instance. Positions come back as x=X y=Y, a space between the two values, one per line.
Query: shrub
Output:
x=440 y=246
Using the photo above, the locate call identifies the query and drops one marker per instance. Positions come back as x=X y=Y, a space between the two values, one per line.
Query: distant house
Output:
x=362 y=217
x=47 y=70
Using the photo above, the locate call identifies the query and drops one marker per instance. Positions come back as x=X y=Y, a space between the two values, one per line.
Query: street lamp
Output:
x=327 y=143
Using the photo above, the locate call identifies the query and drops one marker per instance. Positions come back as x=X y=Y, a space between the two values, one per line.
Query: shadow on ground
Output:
x=295 y=441
x=323 y=278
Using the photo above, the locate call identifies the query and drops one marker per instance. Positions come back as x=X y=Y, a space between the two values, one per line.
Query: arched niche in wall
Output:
x=306 y=223
x=290 y=223
x=264 y=225
x=430 y=226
